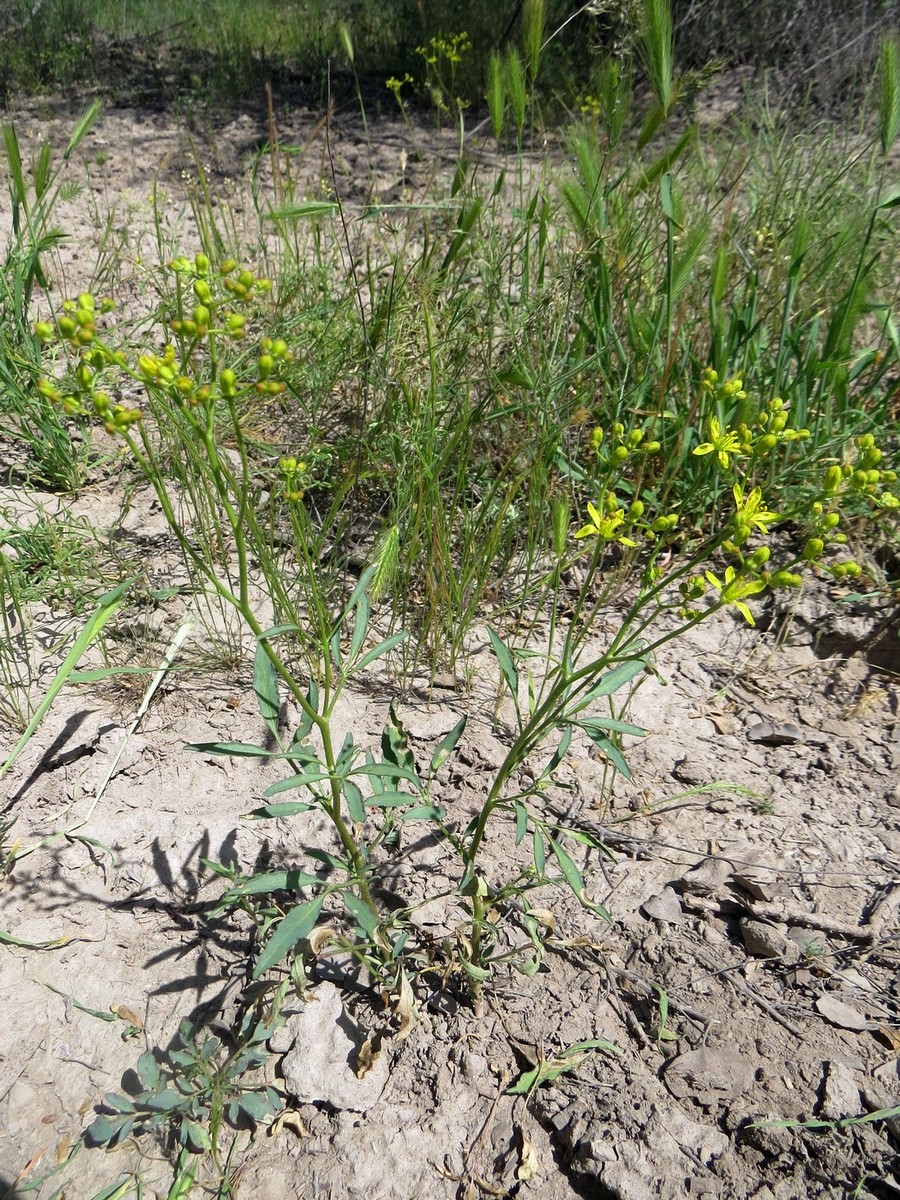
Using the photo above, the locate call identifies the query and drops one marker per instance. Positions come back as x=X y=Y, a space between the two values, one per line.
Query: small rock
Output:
x=691 y=773
x=320 y=1067
x=841 y=1096
x=707 y=876
x=665 y=906
x=775 y=733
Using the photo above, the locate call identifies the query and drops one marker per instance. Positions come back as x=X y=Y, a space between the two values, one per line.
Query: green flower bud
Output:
x=620 y=454
x=201 y=264
x=813 y=549
x=265 y=366
x=228 y=382
x=227 y=266
x=830 y=520
x=202 y=291
x=202 y=314
x=86 y=302
x=67 y=327
x=45 y=331
x=759 y=557
x=246 y=279
x=833 y=478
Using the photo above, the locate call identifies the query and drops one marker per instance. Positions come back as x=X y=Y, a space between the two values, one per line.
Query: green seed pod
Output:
x=85 y=336
x=86 y=302
x=202 y=314
x=785 y=579
x=246 y=279
x=84 y=375
x=67 y=327
x=265 y=366
x=45 y=331
x=227 y=266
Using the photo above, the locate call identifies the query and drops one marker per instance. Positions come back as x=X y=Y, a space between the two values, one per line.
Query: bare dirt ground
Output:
x=763 y=909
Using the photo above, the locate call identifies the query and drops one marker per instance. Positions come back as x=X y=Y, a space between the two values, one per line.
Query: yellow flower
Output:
x=604 y=527
x=752 y=511
x=721 y=441
x=733 y=590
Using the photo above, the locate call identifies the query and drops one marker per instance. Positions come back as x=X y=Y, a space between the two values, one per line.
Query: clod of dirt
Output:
x=768 y=941
x=321 y=1067
x=709 y=1075
x=841 y=1096
x=841 y=1014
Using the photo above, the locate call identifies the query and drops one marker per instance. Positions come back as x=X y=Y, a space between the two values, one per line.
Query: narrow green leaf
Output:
x=354 y=799
x=288 y=933
x=232 y=749
x=381 y=649
x=360 y=627
x=570 y=872
x=609 y=684
x=390 y=799
x=424 y=812
x=92 y=1012
x=265 y=687
x=507 y=666
x=53 y=944
x=611 y=725
x=613 y=754
x=361 y=913
x=274 y=881
x=447 y=745
x=539 y=852
x=272 y=812
x=559 y=753
x=107 y=606
x=521 y=821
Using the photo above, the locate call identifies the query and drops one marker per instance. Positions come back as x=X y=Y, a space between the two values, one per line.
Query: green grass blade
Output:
x=106 y=609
